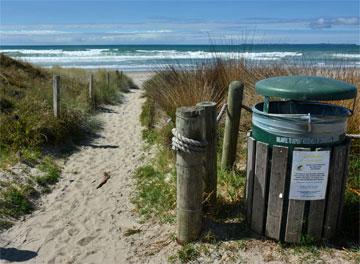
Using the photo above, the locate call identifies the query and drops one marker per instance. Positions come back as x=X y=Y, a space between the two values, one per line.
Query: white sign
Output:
x=309 y=175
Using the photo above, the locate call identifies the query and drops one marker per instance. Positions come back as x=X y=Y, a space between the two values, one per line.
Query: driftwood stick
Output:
x=104 y=180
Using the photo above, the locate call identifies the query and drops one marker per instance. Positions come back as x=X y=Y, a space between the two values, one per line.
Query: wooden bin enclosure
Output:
x=269 y=210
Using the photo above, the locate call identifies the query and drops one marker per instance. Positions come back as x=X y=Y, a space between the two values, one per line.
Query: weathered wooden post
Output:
x=210 y=180
x=232 y=122
x=56 y=95
x=91 y=91
x=190 y=174
x=108 y=79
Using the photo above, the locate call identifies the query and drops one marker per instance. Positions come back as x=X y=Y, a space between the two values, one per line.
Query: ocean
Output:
x=155 y=57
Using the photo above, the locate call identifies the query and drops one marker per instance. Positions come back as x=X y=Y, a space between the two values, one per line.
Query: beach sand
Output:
x=78 y=223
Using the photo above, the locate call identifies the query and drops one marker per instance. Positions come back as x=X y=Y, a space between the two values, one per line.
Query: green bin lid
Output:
x=300 y=87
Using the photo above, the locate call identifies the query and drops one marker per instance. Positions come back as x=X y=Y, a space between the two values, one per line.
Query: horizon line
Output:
x=172 y=44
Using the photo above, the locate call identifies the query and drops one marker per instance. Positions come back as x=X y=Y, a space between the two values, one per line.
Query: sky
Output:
x=83 y=22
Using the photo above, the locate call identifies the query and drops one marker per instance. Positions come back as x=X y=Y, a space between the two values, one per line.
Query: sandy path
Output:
x=78 y=223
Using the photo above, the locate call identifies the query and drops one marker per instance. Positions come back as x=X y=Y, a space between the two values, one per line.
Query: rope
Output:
x=188 y=145
x=221 y=113
x=353 y=136
x=224 y=107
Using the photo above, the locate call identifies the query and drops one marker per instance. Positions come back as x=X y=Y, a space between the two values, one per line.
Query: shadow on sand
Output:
x=16 y=255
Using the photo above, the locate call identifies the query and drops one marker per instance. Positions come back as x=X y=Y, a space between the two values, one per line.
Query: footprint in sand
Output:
x=85 y=240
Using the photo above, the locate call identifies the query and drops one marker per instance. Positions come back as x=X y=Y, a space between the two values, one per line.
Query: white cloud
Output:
x=30 y=32
x=140 y=31
x=330 y=22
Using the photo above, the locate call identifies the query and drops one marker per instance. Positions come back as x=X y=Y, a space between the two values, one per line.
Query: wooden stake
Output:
x=108 y=79
x=210 y=180
x=232 y=122
x=91 y=91
x=190 y=175
x=56 y=95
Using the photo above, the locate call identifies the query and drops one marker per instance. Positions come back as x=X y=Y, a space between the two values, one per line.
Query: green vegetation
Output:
x=17 y=199
x=26 y=114
x=28 y=126
x=51 y=172
x=186 y=254
x=172 y=88
x=156 y=193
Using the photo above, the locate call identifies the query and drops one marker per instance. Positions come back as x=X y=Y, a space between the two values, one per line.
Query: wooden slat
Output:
x=259 y=192
x=276 y=191
x=316 y=214
x=250 y=167
x=343 y=187
x=334 y=192
x=316 y=219
x=295 y=215
x=294 y=221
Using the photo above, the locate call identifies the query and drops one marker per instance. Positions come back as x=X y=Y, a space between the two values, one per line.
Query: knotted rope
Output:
x=188 y=145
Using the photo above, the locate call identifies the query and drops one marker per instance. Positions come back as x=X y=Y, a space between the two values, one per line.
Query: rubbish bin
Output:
x=298 y=158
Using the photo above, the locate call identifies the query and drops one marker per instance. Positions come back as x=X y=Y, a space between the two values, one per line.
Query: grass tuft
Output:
x=14 y=201
x=156 y=193
x=186 y=254
x=51 y=172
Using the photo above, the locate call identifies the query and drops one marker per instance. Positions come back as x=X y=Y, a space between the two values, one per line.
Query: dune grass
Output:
x=28 y=126
x=26 y=114
x=174 y=87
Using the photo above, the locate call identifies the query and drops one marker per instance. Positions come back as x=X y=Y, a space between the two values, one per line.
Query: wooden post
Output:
x=91 y=91
x=108 y=79
x=232 y=122
x=190 y=175
x=56 y=95
x=210 y=180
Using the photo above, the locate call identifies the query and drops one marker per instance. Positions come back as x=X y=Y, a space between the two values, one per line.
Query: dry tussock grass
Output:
x=176 y=86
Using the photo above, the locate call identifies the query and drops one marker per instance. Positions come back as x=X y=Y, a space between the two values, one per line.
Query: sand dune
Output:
x=78 y=223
